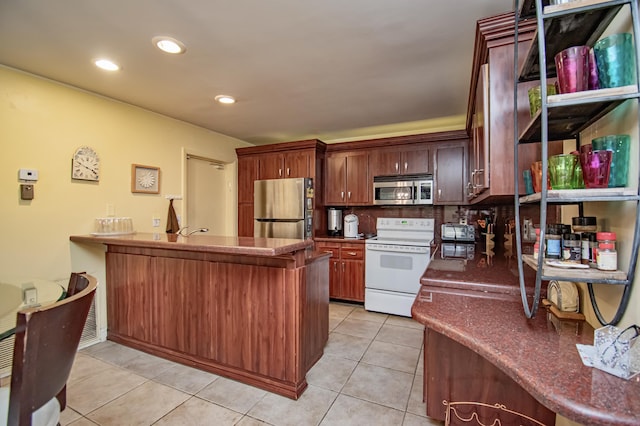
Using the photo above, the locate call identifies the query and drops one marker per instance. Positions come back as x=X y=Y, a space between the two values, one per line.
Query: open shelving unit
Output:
x=561 y=117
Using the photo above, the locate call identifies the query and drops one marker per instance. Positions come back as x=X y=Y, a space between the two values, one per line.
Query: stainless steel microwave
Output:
x=403 y=190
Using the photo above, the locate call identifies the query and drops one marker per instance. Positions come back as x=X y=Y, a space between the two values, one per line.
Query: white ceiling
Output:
x=325 y=69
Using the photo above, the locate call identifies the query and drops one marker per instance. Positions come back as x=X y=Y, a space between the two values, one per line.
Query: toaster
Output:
x=458 y=232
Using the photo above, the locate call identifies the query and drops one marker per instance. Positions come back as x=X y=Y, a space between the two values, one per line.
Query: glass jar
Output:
x=553 y=242
x=606 y=255
x=571 y=248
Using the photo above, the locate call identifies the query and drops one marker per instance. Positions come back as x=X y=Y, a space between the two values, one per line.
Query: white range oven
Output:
x=395 y=260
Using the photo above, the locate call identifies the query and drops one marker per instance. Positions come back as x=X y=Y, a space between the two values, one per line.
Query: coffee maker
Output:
x=334 y=222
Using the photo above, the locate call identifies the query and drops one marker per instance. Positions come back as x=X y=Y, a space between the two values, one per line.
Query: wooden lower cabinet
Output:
x=454 y=373
x=346 y=270
x=259 y=320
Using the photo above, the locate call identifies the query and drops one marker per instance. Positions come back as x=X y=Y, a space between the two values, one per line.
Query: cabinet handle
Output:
x=406 y=166
x=349 y=195
x=288 y=171
x=397 y=167
x=439 y=194
x=280 y=172
x=342 y=266
x=335 y=267
x=471 y=190
x=352 y=253
x=342 y=195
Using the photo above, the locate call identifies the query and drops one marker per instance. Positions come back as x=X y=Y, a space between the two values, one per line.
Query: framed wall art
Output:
x=145 y=179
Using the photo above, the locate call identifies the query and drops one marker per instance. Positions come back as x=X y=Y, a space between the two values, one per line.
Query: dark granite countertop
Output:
x=475 y=306
x=492 y=271
x=202 y=243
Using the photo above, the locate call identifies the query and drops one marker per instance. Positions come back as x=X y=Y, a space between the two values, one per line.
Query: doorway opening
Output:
x=207 y=195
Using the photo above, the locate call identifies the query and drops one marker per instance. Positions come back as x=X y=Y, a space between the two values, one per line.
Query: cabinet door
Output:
x=357 y=179
x=334 y=267
x=384 y=163
x=416 y=161
x=479 y=150
x=335 y=279
x=271 y=166
x=353 y=280
x=297 y=164
x=245 y=219
x=450 y=178
x=129 y=292
x=247 y=174
x=335 y=190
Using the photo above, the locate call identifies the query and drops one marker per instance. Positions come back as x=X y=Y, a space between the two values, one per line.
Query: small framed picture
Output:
x=145 y=179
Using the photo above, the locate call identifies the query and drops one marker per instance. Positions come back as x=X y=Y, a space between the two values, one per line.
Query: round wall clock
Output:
x=85 y=164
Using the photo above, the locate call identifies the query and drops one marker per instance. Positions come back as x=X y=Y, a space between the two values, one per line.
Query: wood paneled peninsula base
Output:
x=254 y=310
x=480 y=347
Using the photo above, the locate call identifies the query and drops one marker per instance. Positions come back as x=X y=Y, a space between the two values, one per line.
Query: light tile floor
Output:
x=371 y=374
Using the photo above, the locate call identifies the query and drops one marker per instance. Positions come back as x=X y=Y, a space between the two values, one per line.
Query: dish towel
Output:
x=172 y=220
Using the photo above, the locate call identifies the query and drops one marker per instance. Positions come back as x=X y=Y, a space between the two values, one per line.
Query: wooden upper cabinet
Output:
x=347 y=179
x=294 y=164
x=416 y=160
x=278 y=161
x=298 y=164
x=450 y=177
x=408 y=160
x=491 y=123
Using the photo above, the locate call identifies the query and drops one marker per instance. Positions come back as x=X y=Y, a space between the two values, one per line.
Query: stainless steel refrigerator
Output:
x=283 y=208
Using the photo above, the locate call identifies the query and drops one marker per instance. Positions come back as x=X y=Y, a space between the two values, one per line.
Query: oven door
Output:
x=394 y=267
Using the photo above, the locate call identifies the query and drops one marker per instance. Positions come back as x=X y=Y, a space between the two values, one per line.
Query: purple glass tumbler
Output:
x=572 y=65
x=596 y=166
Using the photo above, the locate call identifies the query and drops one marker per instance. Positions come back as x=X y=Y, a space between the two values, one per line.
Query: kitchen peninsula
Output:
x=251 y=309
x=480 y=347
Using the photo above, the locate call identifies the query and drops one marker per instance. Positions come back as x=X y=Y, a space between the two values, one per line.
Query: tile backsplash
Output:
x=498 y=214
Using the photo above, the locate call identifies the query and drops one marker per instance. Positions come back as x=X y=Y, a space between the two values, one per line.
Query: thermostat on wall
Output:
x=28 y=174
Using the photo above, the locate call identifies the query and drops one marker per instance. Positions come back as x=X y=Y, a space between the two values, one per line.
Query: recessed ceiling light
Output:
x=107 y=65
x=169 y=45
x=224 y=99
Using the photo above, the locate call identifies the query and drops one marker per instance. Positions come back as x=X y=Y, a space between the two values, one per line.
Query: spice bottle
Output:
x=571 y=248
x=536 y=246
x=588 y=248
x=606 y=255
x=553 y=242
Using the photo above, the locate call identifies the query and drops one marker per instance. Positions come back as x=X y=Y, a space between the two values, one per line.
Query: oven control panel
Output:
x=398 y=248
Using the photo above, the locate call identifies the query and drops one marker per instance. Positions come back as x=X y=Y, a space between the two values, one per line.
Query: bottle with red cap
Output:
x=606 y=255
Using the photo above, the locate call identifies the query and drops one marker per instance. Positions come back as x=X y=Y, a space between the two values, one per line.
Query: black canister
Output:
x=571 y=248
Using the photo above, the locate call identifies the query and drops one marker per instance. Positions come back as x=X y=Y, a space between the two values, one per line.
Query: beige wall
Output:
x=41 y=125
